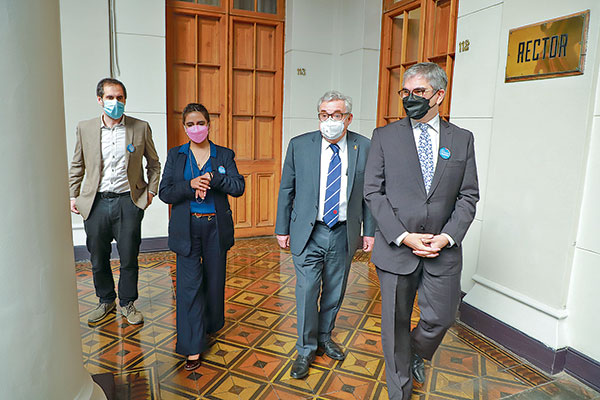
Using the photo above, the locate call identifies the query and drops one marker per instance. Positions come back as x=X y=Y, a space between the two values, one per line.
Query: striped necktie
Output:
x=331 y=209
x=425 y=150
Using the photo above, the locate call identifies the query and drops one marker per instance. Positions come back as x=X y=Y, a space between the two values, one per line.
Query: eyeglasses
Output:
x=336 y=116
x=419 y=92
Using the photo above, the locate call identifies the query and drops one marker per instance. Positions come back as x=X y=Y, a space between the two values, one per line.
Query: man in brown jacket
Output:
x=108 y=153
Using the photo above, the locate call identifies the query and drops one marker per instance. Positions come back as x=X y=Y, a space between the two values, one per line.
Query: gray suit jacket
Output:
x=298 y=203
x=395 y=193
x=87 y=161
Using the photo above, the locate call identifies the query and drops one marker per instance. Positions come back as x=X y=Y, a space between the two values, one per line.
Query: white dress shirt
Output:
x=434 y=134
x=326 y=154
x=114 y=163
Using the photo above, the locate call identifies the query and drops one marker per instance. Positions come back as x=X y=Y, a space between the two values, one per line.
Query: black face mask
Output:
x=416 y=107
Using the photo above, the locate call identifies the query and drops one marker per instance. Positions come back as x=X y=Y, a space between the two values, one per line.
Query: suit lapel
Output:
x=128 y=140
x=445 y=141
x=352 y=152
x=408 y=147
x=98 y=142
x=316 y=172
x=180 y=163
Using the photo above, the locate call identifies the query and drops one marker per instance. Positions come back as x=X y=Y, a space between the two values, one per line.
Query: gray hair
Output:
x=433 y=73
x=333 y=95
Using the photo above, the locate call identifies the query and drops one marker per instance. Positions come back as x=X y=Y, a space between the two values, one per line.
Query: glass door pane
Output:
x=412 y=41
x=243 y=5
x=267 y=6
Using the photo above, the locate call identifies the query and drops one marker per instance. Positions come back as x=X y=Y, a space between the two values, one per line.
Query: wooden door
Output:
x=255 y=119
x=414 y=31
x=228 y=55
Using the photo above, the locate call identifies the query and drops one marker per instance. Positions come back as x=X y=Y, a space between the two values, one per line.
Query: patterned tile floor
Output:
x=250 y=358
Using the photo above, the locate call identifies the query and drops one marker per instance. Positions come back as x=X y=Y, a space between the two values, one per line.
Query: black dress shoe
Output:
x=301 y=366
x=417 y=365
x=332 y=350
x=191 y=365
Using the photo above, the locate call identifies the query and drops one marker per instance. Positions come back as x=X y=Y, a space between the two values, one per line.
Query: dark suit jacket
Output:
x=298 y=203
x=395 y=193
x=175 y=190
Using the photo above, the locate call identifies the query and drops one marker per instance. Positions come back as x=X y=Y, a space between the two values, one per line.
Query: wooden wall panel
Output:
x=217 y=135
x=265 y=139
x=184 y=86
x=209 y=34
x=243 y=45
x=265 y=185
x=265 y=90
x=242 y=206
x=243 y=93
x=242 y=138
x=185 y=27
x=209 y=88
x=265 y=47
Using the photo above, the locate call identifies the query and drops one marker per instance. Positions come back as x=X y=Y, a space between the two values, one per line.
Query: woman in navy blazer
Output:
x=196 y=180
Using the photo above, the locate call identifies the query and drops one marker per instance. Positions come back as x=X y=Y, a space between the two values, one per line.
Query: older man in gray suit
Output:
x=319 y=216
x=421 y=186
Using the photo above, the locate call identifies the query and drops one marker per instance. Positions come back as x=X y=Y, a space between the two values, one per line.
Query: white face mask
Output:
x=331 y=129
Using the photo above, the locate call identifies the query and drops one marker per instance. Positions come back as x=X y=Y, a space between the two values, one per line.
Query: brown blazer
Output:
x=87 y=160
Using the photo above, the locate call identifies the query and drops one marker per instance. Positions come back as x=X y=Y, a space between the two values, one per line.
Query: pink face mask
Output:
x=197 y=133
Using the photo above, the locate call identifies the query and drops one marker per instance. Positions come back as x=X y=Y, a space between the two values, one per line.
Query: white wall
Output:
x=533 y=140
x=337 y=43
x=584 y=296
x=141 y=58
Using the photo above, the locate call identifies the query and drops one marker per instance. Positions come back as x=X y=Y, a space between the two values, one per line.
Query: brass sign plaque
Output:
x=548 y=49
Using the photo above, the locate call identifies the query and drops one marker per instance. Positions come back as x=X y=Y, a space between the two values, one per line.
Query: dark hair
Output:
x=195 y=107
x=109 y=81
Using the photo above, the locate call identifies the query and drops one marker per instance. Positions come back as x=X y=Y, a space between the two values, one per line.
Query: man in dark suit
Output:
x=319 y=216
x=421 y=186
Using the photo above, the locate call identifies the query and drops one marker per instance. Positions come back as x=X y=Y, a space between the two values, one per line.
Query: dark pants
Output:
x=114 y=218
x=200 y=296
x=321 y=269
x=439 y=297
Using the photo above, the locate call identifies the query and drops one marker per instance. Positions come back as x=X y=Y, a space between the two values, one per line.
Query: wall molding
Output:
x=546 y=358
x=148 y=245
x=521 y=298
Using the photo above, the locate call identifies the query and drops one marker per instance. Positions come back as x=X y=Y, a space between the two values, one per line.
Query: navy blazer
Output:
x=176 y=190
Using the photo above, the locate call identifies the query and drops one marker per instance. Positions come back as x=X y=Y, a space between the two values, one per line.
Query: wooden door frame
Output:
x=230 y=15
x=392 y=9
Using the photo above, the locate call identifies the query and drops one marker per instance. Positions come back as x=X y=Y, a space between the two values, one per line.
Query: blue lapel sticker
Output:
x=130 y=148
x=221 y=169
x=444 y=153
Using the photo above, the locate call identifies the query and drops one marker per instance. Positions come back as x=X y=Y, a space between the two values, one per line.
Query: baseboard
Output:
x=148 y=245
x=548 y=359
x=583 y=368
x=540 y=355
